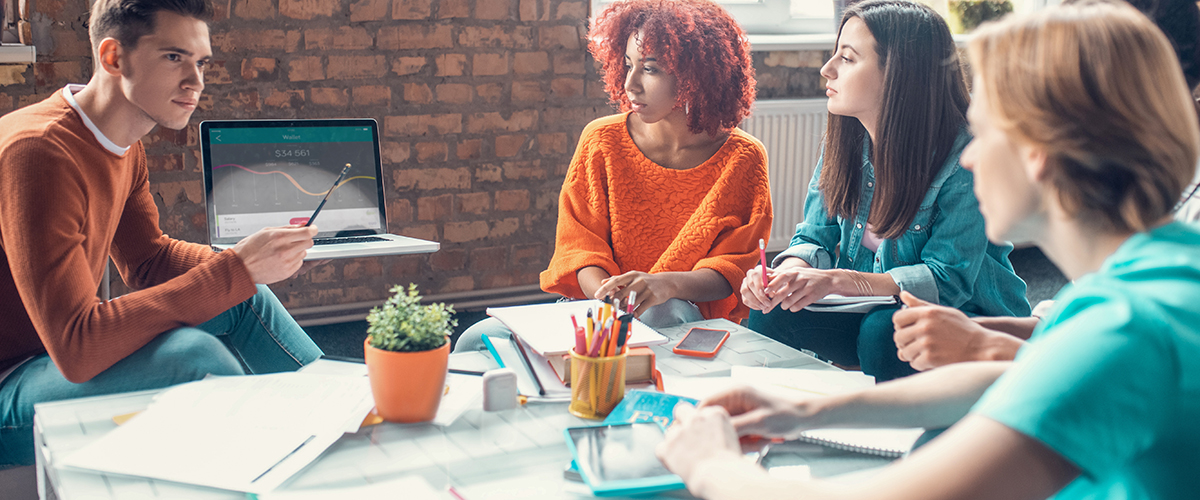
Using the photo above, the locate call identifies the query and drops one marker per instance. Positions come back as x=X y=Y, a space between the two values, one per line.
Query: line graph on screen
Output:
x=293 y=179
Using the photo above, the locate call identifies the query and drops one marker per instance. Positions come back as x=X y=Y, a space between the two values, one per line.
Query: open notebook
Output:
x=792 y=382
x=883 y=442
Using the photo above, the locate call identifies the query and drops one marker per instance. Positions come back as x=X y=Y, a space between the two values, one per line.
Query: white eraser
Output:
x=499 y=389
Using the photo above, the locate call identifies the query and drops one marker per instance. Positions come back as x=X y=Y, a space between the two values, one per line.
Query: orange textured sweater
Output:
x=66 y=204
x=622 y=212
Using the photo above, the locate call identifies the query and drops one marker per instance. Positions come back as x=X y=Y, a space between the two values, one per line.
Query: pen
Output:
x=623 y=336
x=762 y=257
x=589 y=332
x=525 y=358
x=342 y=358
x=327 y=193
x=454 y=493
x=632 y=298
x=580 y=338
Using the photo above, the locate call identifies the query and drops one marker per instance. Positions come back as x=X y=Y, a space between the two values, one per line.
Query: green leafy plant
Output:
x=972 y=13
x=404 y=325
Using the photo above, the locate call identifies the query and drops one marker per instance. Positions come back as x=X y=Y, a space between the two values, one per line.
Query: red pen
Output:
x=762 y=257
x=632 y=298
x=454 y=493
x=580 y=340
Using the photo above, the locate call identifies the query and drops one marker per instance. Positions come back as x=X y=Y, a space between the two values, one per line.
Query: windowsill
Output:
x=15 y=53
x=815 y=41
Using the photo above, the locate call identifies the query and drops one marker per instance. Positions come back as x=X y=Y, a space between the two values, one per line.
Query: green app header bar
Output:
x=288 y=135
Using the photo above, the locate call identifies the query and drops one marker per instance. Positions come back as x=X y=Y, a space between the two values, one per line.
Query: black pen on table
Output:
x=327 y=193
x=346 y=359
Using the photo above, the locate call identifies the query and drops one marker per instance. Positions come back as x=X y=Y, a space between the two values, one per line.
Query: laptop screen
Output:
x=264 y=173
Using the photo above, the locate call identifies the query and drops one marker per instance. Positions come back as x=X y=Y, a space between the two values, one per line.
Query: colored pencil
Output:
x=762 y=257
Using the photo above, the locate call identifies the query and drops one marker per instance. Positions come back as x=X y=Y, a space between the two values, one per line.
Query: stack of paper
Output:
x=248 y=433
x=547 y=327
x=840 y=303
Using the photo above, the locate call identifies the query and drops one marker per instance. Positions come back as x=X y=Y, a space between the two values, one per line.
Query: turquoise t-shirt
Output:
x=1111 y=379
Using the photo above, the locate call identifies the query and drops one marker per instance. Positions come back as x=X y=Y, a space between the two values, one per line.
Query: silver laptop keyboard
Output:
x=350 y=239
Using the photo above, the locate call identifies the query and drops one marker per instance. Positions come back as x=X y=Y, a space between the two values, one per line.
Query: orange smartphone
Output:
x=701 y=342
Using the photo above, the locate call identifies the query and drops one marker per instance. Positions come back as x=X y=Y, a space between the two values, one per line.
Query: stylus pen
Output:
x=327 y=193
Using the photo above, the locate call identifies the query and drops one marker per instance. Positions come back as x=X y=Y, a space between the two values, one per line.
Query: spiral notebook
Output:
x=792 y=382
x=892 y=443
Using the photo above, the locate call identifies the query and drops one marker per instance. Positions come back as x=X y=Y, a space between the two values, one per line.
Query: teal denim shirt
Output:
x=944 y=257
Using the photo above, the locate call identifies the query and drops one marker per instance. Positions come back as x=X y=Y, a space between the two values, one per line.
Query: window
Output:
x=773 y=16
x=778 y=17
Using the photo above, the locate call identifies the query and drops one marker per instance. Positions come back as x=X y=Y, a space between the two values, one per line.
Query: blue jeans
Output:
x=848 y=339
x=256 y=336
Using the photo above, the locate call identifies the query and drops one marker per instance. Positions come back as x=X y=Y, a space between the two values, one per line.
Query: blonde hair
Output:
x=1097 y=87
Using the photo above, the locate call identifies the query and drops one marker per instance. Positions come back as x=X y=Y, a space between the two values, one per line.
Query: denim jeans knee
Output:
x=877 y=346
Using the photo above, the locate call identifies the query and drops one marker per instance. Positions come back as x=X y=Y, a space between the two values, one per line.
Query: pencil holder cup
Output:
x=597 y=385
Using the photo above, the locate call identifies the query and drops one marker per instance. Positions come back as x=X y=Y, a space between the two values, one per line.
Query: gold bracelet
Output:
x=861 y=283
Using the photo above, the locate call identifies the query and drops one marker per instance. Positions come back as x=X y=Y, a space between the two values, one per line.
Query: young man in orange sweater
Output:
x=74 y=189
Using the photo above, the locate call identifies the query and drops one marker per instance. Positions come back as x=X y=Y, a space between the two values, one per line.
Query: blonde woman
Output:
x=1090 y=149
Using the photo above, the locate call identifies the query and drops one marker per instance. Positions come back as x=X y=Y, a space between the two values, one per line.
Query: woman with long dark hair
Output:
x=1086 y=153
x=889 y=208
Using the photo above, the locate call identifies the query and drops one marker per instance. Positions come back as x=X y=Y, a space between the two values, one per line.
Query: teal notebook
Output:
x=646 y=406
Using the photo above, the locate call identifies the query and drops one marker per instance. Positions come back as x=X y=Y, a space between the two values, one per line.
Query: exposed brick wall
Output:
x=480 y=104
x=790 y=75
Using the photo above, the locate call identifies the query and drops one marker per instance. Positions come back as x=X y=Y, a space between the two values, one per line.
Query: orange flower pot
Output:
x=407 y=386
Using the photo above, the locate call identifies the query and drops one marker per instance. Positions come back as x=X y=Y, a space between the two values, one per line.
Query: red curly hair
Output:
x=697 y=41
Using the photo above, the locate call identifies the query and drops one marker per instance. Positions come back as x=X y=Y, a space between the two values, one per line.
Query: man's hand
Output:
x=275 y=253
x=930 y=335
x=308 y=265
x=757 y=413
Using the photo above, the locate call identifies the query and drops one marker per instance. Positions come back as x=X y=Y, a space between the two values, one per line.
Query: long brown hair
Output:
x=924 y=110
x=1098 y=88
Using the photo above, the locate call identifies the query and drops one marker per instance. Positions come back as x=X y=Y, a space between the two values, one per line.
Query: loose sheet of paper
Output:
x=408 y=488
x=795 y=381
x=462 y=391
x=696 y=387
x=239 y=433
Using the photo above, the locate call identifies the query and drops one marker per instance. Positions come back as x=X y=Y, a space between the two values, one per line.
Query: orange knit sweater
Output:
x=66 y=204
x=622 y=212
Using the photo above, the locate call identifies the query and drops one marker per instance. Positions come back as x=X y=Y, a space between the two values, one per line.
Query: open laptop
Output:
x=264 y=173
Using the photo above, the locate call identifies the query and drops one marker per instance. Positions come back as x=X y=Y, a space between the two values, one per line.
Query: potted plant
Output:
x=407 y=349
x=966 y=15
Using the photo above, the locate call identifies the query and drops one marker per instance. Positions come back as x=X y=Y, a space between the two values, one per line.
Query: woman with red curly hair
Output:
x=667 y=199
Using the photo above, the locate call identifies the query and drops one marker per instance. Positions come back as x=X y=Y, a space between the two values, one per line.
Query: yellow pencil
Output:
x=589 y=329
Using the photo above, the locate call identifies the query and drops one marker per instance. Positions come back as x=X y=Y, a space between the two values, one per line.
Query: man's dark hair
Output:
x=128 y=21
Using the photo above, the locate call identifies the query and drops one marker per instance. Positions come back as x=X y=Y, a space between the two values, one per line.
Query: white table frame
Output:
x=518 y=453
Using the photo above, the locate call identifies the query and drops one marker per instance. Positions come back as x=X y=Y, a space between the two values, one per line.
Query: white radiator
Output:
x=792 y=130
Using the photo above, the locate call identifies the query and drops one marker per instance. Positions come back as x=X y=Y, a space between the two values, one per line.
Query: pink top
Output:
x=870 y=239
